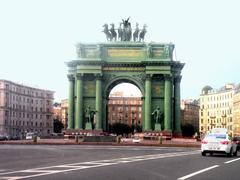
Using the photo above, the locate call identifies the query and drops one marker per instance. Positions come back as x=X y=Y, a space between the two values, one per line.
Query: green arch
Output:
x=100 y=67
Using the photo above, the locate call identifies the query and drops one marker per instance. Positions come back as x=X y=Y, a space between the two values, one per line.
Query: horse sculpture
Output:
x=113 y=33
x=124 y=32
x=142 y=33
x=136 y=32
x=120 y=32
x=106 y=31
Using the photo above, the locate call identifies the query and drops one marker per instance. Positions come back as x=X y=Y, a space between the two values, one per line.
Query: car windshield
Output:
x=30 y=134
x=216 y=136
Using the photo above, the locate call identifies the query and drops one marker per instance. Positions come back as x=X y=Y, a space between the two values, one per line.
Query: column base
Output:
x=88 y=126
x=167 y=133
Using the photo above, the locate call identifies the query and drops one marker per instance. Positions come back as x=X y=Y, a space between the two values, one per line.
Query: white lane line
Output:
x=11 y=178
x=232 y=160
x=197 y=172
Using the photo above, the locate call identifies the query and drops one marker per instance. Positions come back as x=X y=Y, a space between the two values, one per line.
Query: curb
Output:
x=103 y=143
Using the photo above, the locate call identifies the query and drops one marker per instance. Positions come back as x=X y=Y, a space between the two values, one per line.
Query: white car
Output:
x=218 y=143
x=136 y=140
x=30 y=135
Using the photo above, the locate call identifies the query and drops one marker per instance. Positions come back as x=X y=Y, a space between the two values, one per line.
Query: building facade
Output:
x=127 y=110
x=64 y=112
x=57 y=114
x=190 y=113
x=60 y=112
x=219 y=109
x=25 y=109
x=236 y=112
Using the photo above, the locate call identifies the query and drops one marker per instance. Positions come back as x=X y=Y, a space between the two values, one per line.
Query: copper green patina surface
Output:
x=100 y=67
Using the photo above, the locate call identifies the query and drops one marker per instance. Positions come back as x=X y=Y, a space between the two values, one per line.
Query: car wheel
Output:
x=230 y=153
x=235 y=153
x=211 y=153
x=203 y=154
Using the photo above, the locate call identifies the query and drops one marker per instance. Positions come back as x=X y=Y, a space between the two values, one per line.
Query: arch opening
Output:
x=124 y=106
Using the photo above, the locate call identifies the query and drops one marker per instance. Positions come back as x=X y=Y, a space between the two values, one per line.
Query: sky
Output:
x=37 y=37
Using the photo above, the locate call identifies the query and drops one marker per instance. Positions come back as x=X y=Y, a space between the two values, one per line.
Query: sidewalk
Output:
x=166 y=143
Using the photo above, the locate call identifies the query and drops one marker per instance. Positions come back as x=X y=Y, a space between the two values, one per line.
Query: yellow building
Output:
x=236 y=112
x=216 y=109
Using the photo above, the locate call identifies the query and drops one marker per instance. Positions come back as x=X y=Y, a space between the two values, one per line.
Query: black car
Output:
x=237 y=140
x=3 y=137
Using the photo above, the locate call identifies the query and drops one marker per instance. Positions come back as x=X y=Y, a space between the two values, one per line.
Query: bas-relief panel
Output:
x=125 y=53
x=89 y=88
x=157 y=89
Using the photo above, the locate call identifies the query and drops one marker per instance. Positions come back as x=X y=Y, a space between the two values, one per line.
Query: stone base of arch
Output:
x=83 y=132
x=177 y=134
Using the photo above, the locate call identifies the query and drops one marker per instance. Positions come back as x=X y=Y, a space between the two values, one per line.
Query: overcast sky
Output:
x=38 y=36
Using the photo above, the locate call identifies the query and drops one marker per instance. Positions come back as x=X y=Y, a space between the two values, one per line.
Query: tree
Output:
x=120 y=128
x=57 y=126
x=187 y=130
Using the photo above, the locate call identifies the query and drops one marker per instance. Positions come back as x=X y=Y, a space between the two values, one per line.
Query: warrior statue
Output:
x=89 y=114
x=157 y=115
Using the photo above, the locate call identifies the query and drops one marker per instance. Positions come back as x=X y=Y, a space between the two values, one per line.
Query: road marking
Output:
x=232 y=161
x=35 y=172
x=197 y=172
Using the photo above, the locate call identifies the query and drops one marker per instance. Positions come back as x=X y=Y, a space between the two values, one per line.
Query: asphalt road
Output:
x=113 y=162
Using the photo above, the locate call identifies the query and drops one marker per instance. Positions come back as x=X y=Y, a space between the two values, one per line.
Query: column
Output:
x=168 y=103
x=177 y=99
x=148 y=104
x=79 y=105
x=98 y=102
x=70 y=101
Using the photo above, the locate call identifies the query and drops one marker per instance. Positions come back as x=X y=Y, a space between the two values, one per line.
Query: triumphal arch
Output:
x=101 y=66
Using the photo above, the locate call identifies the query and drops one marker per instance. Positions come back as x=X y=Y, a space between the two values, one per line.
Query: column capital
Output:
x=98 y=76
x=177 y=79
x=70 y=77
x=167 y=77
x=79 y=76
x=148 y=76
